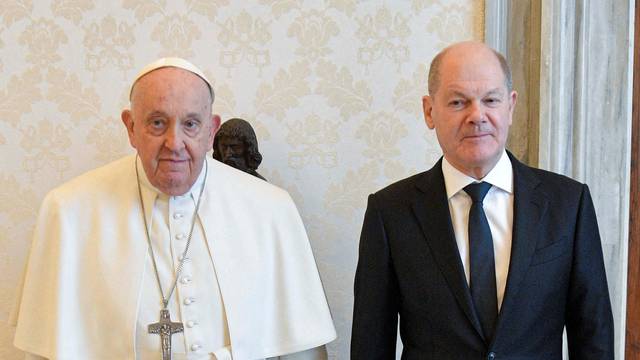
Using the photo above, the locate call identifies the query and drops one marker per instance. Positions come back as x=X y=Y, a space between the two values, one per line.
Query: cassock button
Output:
x=180 y=236
x=195 y=347
x=491 y=356
x=181 y=256
x=191 y=323
x=185 y=279
x=188 y=301
x=177 y=216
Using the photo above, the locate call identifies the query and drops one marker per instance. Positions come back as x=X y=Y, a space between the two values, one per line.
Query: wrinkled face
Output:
x=232 y=151
x=471 y=110
x=171 y=127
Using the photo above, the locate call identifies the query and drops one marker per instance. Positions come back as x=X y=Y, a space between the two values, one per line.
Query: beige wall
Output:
x=333 y=88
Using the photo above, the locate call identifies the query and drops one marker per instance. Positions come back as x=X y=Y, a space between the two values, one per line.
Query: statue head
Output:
x=235 y=144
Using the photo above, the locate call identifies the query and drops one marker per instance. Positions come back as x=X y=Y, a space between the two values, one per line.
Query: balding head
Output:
x=465 y=49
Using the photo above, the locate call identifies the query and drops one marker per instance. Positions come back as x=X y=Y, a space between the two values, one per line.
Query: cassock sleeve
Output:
x=375 y=310
x=34 y=318
x=224 y=353
x=589 y=318
x=30 y=356
x=317 y=353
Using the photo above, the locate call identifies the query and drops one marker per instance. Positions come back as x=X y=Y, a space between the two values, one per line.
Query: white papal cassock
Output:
x=89 y=285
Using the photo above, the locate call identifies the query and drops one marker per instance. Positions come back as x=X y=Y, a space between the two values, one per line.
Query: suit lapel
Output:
x=529 y=206
x=431 y=209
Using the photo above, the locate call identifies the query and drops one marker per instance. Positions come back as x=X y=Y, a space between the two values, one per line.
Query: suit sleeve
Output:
x=589 y=318
x=375 y=310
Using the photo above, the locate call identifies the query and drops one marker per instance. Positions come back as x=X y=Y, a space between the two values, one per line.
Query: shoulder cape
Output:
x=84 y=274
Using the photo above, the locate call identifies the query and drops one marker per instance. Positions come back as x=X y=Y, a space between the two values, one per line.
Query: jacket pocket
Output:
x=551 y=252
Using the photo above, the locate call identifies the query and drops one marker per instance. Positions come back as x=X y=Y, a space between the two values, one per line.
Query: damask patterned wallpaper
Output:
x=332 y=87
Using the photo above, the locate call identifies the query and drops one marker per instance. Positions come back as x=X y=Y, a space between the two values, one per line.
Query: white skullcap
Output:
x=171 y=62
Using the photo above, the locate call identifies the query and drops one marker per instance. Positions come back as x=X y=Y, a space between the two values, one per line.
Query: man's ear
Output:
x=215 y=126
x=127 y=120
x=216 y=122
x=513 y=99
x=427 y=107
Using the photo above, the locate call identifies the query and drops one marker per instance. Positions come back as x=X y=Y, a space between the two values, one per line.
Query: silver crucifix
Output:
x=165 y=328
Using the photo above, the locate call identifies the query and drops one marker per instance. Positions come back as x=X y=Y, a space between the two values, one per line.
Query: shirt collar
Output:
x=194 y=191
x=501 y=176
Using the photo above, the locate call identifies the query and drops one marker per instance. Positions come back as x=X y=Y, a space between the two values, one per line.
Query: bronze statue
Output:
x=236 y=144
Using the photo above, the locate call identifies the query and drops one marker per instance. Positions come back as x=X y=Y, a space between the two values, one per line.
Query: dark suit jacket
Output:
x=409 y=265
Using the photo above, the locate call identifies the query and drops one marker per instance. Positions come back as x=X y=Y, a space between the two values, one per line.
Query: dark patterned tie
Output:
x=483 y=269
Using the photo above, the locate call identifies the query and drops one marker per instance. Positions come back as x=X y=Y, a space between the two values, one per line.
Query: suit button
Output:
x=491 y=356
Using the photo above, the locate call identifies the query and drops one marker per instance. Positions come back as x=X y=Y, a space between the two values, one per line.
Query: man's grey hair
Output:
x=434 y=71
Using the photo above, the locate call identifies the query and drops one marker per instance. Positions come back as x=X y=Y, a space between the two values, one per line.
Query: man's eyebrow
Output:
x=156 y=113
x=458 y=93
x=193 y=115
x=496 y=91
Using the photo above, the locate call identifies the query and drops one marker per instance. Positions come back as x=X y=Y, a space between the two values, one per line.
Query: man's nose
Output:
x=174 y=139
x=477 y=113
x=227 y=151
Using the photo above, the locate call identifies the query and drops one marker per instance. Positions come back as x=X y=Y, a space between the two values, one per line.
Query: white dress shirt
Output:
x=498 y=207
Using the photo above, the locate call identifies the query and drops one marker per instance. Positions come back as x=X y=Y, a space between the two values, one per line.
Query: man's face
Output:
x=232 y=151
x=471 y=109
x=171 y=126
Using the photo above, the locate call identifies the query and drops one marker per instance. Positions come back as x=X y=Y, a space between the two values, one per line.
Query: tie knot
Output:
x=477 y=191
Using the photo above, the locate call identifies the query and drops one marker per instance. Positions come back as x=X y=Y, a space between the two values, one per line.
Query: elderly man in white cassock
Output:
x=169 y=254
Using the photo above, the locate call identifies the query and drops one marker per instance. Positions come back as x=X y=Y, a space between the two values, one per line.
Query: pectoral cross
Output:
x=165 y=328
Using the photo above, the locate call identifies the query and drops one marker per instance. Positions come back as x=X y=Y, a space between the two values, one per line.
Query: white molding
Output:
x=496 y=22
x=585 y=118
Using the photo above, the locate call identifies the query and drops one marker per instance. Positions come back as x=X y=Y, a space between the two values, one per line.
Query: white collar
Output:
x=194 y=191
x=501 y=176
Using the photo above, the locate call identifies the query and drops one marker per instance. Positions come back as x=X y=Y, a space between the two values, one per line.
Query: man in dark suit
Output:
x=481 y=257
